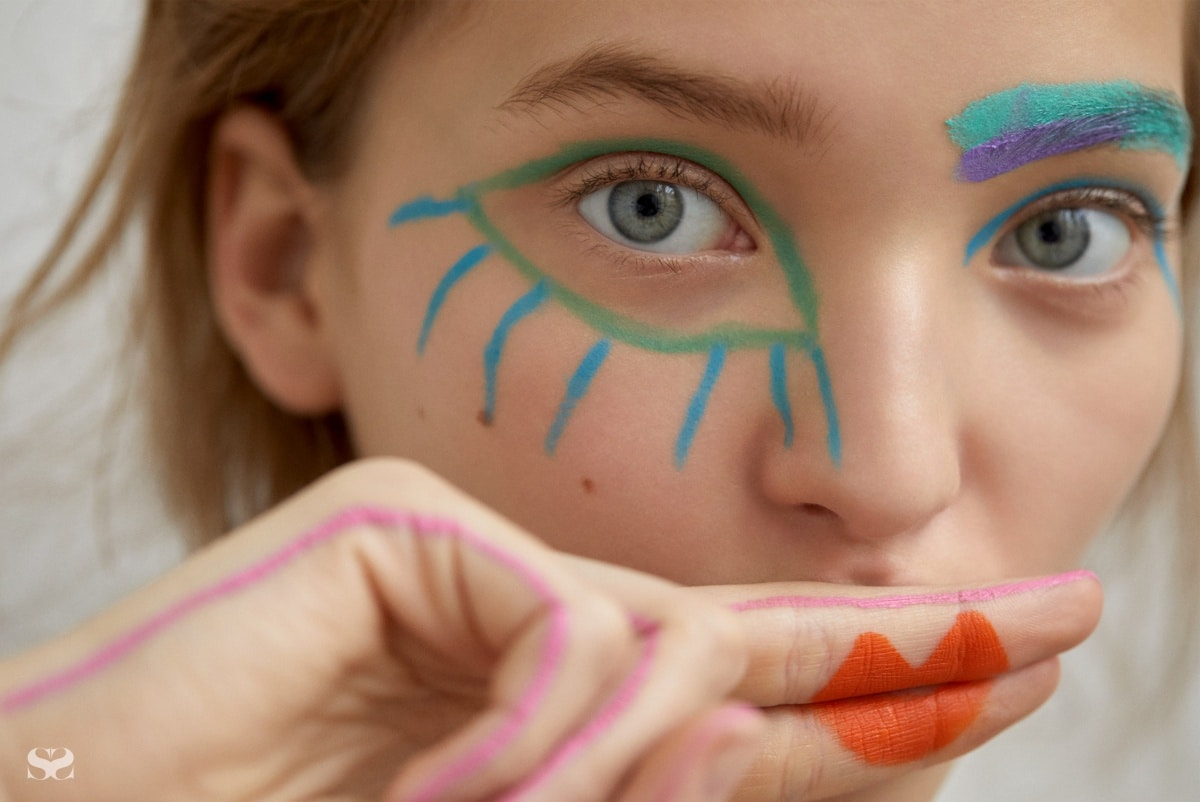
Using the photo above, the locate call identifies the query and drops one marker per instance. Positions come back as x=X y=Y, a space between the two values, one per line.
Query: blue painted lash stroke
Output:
x=577 y=387
x=452 y=277
x=833 y=436
x=427 y=206
x=521 y=308
x=779 y=391
x=699 y=402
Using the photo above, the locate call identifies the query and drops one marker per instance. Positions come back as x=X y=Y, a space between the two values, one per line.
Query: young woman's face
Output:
x=850 y=291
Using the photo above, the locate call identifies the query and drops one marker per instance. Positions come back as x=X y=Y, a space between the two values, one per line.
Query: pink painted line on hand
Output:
x=419 y=525
x=896 y=602
x=603 y=721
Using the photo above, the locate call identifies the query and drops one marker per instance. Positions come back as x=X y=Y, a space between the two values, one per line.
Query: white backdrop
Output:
x=79 y=522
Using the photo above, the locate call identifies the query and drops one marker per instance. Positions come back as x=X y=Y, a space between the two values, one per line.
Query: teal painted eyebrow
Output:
x=1009 y=129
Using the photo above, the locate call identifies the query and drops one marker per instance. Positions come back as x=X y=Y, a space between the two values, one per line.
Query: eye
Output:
x=657 y=216
x=1074 y=243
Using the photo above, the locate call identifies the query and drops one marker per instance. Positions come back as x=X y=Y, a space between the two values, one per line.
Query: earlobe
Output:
x=263 y=237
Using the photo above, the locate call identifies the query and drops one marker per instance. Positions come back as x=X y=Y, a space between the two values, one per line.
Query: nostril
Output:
x=816 y=510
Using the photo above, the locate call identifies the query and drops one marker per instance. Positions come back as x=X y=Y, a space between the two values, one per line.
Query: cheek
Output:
x=611 y=488
x=1073 y=424
x=508 y=411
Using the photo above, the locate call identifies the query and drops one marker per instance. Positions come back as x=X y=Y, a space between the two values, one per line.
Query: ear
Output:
x=263 y=227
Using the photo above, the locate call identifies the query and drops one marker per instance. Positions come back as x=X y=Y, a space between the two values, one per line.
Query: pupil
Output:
x=648 y=205
x=1051 y=232
x=1056 y=239
x=645 y=211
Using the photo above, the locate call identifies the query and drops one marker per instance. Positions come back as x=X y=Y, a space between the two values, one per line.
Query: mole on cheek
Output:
x=589 y=486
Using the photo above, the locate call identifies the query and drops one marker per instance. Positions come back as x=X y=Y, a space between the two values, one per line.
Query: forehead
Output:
x=906 y=44
x=866 y=85
x=851 y=57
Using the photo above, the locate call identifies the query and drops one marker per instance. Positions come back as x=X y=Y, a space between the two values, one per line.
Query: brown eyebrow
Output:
x=778 y=108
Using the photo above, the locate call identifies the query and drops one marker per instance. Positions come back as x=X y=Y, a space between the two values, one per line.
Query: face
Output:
x=870 y=293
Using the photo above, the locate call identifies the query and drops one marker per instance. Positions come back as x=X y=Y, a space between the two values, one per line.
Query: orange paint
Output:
x=899 y=727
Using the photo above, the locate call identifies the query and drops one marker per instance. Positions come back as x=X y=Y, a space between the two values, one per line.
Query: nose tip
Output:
x=885 y=488
x=894 y=490
x=899 y=463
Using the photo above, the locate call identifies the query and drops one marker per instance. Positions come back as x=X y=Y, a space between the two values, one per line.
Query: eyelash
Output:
x=647 y=167
x=1144 y=215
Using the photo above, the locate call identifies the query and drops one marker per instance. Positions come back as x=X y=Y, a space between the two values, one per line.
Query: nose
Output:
x=889 y=342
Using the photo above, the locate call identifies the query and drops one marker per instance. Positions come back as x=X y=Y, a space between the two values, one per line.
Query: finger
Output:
x=833 y=748
x=810 y=642
x=703 y=760
x=693 y=657
x=555 y=648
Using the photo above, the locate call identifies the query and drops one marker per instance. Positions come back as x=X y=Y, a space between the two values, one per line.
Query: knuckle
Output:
x=817 y=658
x=378 y=478
x=714 y=641
x=808 y=657
x=600 y=627
x=727 y=644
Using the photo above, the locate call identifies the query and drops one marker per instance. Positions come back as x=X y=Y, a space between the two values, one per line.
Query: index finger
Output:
x=817 y=642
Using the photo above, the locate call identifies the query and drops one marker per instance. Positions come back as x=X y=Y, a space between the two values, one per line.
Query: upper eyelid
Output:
x=1099 y=198
x=1078 y=185
x=682 y=171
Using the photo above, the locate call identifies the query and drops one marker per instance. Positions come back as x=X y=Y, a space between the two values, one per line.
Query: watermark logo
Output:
x=45 y=763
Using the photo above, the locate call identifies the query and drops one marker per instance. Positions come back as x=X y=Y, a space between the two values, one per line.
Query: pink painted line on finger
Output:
x=539 y=686
x=603 y=722
x=895 y=602
x=419 y=525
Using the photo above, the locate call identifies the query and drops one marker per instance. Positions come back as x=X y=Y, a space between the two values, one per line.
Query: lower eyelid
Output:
x=648 y=263
x=1088 y=298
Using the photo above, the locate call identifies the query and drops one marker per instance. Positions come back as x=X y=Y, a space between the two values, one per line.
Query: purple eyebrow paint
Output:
x=1009 y=129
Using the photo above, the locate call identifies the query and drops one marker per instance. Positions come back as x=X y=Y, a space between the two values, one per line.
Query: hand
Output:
x=383 y=636
x=411 y=644
x=863 y=685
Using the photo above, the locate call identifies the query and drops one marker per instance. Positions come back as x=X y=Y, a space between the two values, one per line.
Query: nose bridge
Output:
x=887 y=335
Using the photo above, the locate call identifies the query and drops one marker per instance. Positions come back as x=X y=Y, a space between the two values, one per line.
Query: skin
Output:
x=992 y=419
x=391 y=638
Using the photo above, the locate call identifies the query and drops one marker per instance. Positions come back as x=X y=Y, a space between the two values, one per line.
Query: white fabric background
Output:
x=78 y=530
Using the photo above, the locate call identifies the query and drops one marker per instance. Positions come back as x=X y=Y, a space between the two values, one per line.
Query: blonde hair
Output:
x=223 y=451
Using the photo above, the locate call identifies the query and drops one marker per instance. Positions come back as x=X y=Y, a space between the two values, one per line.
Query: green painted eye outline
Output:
x=716 y=341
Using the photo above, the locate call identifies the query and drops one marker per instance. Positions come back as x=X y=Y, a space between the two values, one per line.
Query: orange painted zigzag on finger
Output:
x=882 y=726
